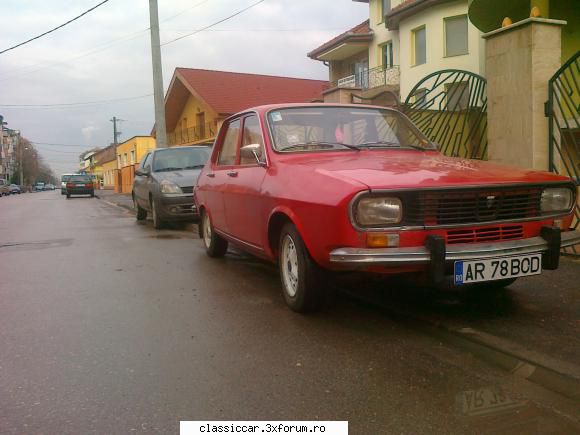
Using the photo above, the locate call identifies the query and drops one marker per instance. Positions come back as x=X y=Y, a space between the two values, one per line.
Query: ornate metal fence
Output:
x=563 y=112
x=449 y=106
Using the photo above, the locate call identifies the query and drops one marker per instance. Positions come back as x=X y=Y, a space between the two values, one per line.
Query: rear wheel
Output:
x=157 y=221
x=302 y=279
x=68 y=196
x=215 y=246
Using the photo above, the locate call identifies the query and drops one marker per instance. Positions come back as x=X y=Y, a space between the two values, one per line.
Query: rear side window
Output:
x=228 y=150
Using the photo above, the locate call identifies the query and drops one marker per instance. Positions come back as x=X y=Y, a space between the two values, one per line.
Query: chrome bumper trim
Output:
x=465 y=251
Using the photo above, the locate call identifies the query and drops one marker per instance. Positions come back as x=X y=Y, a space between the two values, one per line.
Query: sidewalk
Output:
x=123 y=200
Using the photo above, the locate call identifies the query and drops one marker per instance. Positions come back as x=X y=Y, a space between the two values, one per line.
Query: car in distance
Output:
x=14 y=189
x=4 y=187
x=164 y=181
x=63 y=180
x=80 y=185
x=49 y=186
x=38 y=187
x=324 y=187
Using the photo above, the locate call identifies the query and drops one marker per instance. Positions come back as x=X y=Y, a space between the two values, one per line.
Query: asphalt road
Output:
x=108 y=326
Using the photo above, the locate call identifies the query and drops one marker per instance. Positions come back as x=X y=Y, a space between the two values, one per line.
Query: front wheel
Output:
x=215 y=246
x=302 y=280
x=157 y=222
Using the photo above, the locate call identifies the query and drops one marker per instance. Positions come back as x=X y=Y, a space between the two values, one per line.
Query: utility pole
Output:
x=160 y=132
x=116 y=135
x=20 y=160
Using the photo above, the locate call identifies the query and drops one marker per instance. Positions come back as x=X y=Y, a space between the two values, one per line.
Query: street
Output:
x=108 y=326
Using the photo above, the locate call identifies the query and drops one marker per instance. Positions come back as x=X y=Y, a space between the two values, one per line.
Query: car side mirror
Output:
x=253 y=150
x=145 y=172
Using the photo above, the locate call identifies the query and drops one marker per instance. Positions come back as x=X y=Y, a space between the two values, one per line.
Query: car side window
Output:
x=146 y=161
x=228 y=150
x=252 y=134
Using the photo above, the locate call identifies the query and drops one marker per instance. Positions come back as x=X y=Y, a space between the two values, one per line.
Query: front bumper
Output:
x=178 y=207
x=360 y=258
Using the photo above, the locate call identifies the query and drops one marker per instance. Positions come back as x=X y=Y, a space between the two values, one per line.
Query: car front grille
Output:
x=459 y=207
x=490 y=234
x=187 y=189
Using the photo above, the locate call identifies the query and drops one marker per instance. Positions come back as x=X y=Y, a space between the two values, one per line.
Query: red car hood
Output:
x=403 y=168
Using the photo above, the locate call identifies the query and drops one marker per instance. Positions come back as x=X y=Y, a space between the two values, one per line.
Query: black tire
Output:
x=67 y=196
x=304 y=291
x=141 y=212
x=157 y=221
x=93 y=195
x=215 y=246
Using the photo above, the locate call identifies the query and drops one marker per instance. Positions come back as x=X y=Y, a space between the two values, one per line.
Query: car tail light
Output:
x=70 y=185
x=89 y=185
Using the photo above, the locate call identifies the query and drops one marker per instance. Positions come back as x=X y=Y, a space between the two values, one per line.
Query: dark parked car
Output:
x=164 y=183
x=80 y=185
x=15 y=189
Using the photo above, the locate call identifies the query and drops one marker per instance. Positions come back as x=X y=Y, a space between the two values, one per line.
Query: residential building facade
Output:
x=129 y=154
x=401 y=43
x=198 y=101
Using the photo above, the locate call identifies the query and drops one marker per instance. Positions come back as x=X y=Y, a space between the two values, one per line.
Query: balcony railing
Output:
x=192 y=134
x=371 y=78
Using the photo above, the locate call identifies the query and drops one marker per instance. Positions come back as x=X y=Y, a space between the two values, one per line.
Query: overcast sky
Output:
x=105 y=55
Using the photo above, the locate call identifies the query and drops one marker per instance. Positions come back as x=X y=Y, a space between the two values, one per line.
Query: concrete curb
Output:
x=124 y=207
x=555 y=375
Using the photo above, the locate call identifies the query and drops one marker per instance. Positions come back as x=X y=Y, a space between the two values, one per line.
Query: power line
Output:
x=72 y=105
x=56 y=144
x=241 y=11
x=55 y=29
x=95 y=49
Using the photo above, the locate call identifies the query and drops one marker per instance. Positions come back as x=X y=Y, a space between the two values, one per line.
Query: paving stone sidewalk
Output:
x=120 y=199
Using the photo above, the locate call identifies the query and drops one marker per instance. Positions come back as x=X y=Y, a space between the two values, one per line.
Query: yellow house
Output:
x=101 y=165
x=129 y=154
x=109 y=173
x=198 y=100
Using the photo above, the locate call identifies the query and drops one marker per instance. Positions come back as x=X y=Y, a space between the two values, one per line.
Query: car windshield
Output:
x=175 y=159
x=66 y=177
x=348 y=128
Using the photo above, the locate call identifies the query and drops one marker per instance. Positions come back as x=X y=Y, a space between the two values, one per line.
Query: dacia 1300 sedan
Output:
x=320 y=188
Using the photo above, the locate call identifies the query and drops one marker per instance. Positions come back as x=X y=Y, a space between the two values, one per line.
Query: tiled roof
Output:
x=105 y=155
x=361 y=30
x=403 y=4
x=230 y=92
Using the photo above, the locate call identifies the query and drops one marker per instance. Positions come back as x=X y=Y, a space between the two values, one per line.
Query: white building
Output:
x=402 y=42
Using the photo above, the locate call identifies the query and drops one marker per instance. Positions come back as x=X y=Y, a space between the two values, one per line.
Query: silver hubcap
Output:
x=206 y=230
x=289 y=265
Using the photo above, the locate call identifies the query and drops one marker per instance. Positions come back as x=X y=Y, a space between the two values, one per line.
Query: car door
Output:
x=140 y=184
x=242 y=194
x=215 y=178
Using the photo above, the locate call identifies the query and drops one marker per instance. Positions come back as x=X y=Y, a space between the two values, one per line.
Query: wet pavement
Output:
x=108 y=326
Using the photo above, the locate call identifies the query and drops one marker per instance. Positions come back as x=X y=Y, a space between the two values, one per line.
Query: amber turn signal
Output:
x=382 y=240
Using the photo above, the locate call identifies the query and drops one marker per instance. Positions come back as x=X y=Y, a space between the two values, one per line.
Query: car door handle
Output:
x=211 y=175
x=233 y=173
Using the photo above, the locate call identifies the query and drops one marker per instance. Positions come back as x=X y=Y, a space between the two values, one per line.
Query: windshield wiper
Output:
x=167 y=169
x=386 y=144
x=320 y=144
x=194 y=167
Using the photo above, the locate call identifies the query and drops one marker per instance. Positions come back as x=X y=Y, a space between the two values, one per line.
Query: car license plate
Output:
x=80 y=185
x=492 y=269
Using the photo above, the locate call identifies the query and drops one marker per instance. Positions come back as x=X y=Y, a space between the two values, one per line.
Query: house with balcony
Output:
x=198 y=100
x=401 y=42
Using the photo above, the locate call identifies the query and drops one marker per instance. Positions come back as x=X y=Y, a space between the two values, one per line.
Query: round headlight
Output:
x=375 y=211
x=557 y=199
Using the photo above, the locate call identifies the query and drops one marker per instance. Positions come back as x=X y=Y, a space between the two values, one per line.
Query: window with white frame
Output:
x=419 y=43
x=133 y=157
x=456 y=39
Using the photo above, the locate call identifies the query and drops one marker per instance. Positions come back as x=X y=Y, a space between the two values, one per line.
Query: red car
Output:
x=319 y=187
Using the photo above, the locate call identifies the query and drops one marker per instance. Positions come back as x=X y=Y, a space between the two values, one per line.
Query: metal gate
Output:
x=563 y=112
x=449 y=107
